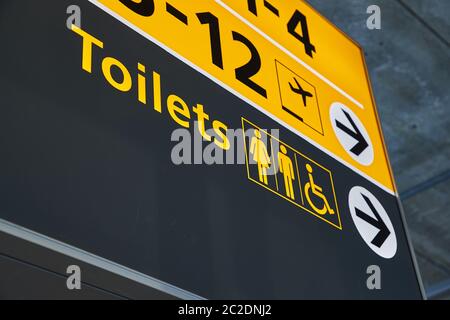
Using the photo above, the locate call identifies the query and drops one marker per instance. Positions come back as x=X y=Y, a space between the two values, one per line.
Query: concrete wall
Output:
x=409 y=65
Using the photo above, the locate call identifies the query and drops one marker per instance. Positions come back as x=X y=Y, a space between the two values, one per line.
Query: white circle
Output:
x=347 y=141
x=366 y=230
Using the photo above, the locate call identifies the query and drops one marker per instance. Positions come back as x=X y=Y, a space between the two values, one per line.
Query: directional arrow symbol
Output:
x=355 y=133
x=378 y=223
x=372 y=222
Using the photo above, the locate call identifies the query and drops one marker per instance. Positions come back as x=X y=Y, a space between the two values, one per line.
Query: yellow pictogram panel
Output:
x=242 y=51
x=290 y=174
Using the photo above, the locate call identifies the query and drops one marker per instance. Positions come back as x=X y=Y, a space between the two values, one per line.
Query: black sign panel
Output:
x=91 y=166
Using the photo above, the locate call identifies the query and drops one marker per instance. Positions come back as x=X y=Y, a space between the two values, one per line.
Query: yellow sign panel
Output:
x=299 y=29
x=285 y=60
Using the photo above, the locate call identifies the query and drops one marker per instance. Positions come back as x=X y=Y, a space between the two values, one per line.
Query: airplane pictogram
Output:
x=299 y=90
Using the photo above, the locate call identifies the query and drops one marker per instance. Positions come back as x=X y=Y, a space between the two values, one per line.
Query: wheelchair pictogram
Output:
x=317 y=192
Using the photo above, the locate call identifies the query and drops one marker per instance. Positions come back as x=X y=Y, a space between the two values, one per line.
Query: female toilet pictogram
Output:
x=260 y=156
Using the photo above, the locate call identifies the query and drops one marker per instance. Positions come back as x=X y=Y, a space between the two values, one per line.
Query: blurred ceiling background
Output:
x=409 y=66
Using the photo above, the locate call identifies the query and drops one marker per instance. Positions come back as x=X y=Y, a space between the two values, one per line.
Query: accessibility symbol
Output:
x=372 y=222
x=317 y=192
x=351 y=133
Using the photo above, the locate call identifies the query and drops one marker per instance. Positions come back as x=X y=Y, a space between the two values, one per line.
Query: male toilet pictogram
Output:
x=260 y=156
x=287 y=169
x=317 y=191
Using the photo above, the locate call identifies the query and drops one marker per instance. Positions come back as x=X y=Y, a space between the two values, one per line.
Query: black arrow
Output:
x=378 y=223
x=355 y=134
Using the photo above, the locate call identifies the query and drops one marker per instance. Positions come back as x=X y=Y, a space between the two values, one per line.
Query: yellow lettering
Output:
x=157 y=92
x=201 y=117
x=126 y=83
x=88 y=40
x=174 y=110
x=142 y=85
x=221 y=130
